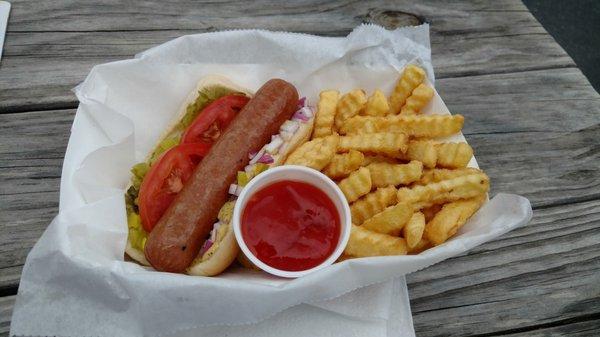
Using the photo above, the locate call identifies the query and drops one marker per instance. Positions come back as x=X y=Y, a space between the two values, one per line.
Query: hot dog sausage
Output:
x=177 y=237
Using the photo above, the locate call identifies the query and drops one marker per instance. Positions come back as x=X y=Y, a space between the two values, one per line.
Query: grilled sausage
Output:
x=177 y=237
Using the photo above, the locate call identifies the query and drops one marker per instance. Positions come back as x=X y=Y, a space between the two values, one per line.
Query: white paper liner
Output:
x=75 y=281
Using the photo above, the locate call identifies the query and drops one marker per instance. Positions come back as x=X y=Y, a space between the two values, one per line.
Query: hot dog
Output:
x=145 y=198
x=176 y=239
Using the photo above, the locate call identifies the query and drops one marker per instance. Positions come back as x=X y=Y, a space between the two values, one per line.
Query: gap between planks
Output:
x=531 y=328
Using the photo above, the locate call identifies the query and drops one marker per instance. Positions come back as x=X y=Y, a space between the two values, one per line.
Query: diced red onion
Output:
x=266 y=159
x=213 y=232
x=289 y=126
x=286 y=135
x=252 y=154
x=302 y=102
x=273 y=146
x=307 y=111
x=235 y=189
x=303 y=114
x=257 y=157
x=299 y=116
x=284 y=147
x=238 y=191
x=206 y=246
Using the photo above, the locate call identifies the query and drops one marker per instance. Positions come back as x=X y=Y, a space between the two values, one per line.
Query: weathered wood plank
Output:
x=6 y=305
x=548 y=168
x=587 y=327
x=534 y=101
x=9 y=278
x=23 y=218
x=37 y=135
x=544 y=272
x=58 y=43
x=125 y=16
x=32 y=147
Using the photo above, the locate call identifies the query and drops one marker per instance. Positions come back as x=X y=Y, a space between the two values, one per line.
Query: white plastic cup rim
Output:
x=294 y=173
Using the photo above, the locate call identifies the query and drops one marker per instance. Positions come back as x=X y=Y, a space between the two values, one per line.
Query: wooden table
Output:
x=532 y=118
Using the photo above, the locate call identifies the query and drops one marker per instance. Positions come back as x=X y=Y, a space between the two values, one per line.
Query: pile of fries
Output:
x=407 y=191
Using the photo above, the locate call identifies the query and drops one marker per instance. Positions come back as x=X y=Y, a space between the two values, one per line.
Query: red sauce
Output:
x=291 y=225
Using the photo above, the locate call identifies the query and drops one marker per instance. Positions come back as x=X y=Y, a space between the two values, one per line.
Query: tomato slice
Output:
x=213 y=119
x=166 y=178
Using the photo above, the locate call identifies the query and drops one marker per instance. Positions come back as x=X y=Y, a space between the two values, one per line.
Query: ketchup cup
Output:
x=299 y=174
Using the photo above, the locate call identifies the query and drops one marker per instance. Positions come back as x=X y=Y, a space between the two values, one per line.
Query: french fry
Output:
x=420 y=126
x=345 y=257
x=453 y=155
x=431 y=211
x=316 y=153
x=385 y=142
x=350 y=105
x=417 y=100
x=245 y=261
x=326 y=109
x=463 y=187
x=365 y=124
x=385 y=174
x=411 y=77
x=436 y=175
x=413 y=230
x=422 y=245
x=356 y=185
x=372 y=204
x=391 y=220
x=421 y=150
x=377 y=104
x=343 y=164
x=431 y=126
x=452 y=216
x=364 y=242
x=378 y=158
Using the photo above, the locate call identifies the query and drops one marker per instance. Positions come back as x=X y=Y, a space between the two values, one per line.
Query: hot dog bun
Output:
x=301 y=136
x=222 y=258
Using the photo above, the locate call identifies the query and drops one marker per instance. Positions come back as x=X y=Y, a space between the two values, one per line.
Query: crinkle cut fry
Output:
x=419 y=126
x=462 y=187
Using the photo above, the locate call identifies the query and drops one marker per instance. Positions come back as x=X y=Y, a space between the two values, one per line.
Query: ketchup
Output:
x=291 y=225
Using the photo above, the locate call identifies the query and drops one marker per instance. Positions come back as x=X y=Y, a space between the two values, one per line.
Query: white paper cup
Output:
x=295 y=173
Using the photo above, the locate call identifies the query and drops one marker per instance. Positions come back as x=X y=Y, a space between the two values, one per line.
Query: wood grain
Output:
x=531 y=276
x=531 y=117
x=32 y=148
x=6 y=305
x=555 y=100
x=588 y=326
x=9 y=279
x=58 y=43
